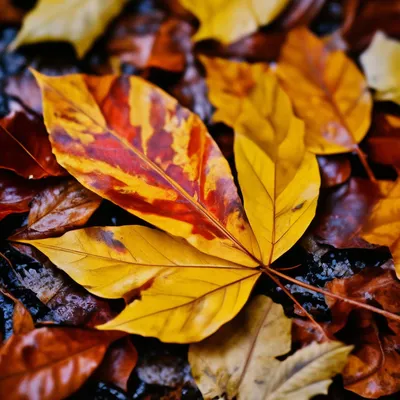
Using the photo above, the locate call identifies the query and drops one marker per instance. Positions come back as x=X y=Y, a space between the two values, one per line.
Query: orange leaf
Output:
x=131 y=143
x=328 y=92
x=50 y=363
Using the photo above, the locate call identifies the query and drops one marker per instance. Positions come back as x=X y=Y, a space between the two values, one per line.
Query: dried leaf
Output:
x=28 y=152
x=384 y=141
x=269 y=153
x=118 y=363
x=179 y=302
x=372 y=370
x=9 y=13
x=334 y=170
x=22 y=319
x=16 y=193
x=57 y=209
x=239 y=361
x=300 y=12
x=50 y=363
x=381 y=63
x=79 y=22
x=343 y=212
x=330 y=93
x=130 y=142
x=228 y=21
x=382 y=226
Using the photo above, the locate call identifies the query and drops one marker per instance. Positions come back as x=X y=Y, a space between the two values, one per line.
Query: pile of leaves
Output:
x=199 y=199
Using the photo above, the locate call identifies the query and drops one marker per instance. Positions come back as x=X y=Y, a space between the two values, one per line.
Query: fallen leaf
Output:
x=382 y=226
x=22 y=319
x=130 y=142
x=50 y=363
x=269 y=153
x=28 y=153
x=334 y=170
x=179 y=303
x=79 y=22
x=384 y=140
x=330 y=93
x=363 y=18
x=16 y=193
x=228 y=21
x=381 y=62
x=372 y=369
x=342 y=213
x=57 y=209
x=118 y=363
x=9 y=13
x=239 y=361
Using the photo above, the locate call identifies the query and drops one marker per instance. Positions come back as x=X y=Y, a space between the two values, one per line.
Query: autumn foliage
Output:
x=188 y=172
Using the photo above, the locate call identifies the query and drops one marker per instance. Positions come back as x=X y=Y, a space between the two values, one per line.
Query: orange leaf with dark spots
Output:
x=130 y=142
x=28 y=153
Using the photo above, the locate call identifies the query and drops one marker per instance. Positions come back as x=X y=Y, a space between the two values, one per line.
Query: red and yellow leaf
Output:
x=131 y=143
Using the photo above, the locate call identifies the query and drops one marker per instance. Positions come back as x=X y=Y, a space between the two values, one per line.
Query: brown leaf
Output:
x=384 y=142
x=118 y=363
x=16 y=193
x=300 y=12
x=335 y=170
x=22 y=319
x=50 y=363
x=57 y=209
x=364 y=18
x=28 y=153
x=372 y=370
x=9 y=13
x=70 y=302
x=343 y=211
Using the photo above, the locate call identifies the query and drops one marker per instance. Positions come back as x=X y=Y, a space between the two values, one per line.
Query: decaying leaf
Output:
x=57 y=209
x=328 y=92
x=130 y=142
x=16 y=193
x=300 y=12
x=372 y=369
x=382 y=226
x=335 y=170
x=384 y=141
x=118 y=363
x=179 y=302
x=10 y=13
x=228 y=21
x=381 y=63
x=269 y=153
x=50 y=363
x=28 y=153
x=342 y=213
x=79 y=22
x=239 y=361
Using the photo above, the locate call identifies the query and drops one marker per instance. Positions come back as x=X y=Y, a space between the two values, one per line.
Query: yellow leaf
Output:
x=383 y=224
x=328 y=92
x=128 y=141
x=279 y=179
x=240 y=359
x=381 y=63
x=186 y=295
x=79 y=22
x=230 y=20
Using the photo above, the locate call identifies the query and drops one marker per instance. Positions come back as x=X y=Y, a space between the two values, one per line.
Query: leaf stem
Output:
x=365 y=164
x=356 y=303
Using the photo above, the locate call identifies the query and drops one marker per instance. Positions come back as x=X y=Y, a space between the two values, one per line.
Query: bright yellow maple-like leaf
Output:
x=383 y=224
x=279 y=179
x=239 y=361
x=230 y=20
x=79 y=22
x=381 y=63
x=328 y=92
x=130 y=142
